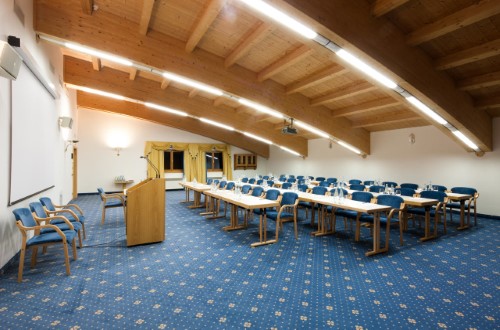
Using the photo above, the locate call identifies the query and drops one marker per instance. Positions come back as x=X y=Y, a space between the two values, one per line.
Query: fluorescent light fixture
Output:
x=166 y=109
x=99 y=92
x=261 y=108
x=281 y=17
x=465 y=140
x=99 y=54
x=365 y=68
x=347 y=146
x=290 y=151
x=312 y=129
x=257 y=138
x=425 y=109
x=211 y=122
x=192 y=83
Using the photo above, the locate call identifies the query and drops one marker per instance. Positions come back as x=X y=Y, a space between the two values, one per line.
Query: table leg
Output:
x=462 y=216
x=263 y=231
x=187 y=196
x=376 y=237
x=322 y=227
x=197 y=199
x=233 y=222
x=427 y=235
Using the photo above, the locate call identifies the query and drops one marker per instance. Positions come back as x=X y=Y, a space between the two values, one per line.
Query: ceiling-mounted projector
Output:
x=289 y=129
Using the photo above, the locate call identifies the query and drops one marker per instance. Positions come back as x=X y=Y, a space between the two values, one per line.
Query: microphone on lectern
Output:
x=152 y=165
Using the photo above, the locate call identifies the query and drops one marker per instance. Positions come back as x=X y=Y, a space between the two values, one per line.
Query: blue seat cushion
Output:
x=383 y=219
x=274 y=215
x=63 y=226
x=113 y=204
x=51 y=238
x=421 y=211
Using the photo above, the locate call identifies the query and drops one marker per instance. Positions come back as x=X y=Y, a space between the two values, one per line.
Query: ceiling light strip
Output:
x=348 y=146
x=261 y=108
x=257 y=138
x=466 y=140
x=192 y=83
x=215 y=123
x=166 y=109
x=312 y=129
x=96 y=53
x=290 y=151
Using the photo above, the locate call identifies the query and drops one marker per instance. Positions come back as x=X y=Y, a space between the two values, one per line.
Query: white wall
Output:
x=98 y=163
x=434 y=157
x=45 y=58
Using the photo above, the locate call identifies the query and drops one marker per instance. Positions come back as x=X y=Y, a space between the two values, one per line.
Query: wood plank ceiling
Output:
x=446 y=53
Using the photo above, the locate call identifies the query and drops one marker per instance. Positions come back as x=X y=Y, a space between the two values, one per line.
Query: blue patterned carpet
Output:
x=201 y=277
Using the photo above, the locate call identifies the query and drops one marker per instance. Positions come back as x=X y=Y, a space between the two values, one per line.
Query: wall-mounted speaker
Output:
x=66 y=122
x=10 y=61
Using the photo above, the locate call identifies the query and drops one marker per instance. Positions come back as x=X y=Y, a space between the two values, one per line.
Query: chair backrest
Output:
x=377 y=189
x=439 y=187
x=406 y=191
x=289 y=198
x=246 y=188
x=300 y=177
x=390 y=184
x=320 y=178
x=434 y=194
x=209 y=181
x=222 y=184
x=464 y=190
x=292 y=180
x=244 y=180
x=260 y=182
x=101 y=193
x=272 y=194
x=286 y=185
x=301 y=181
x=37 y=208
x=257 y=191
x=331 y=180
x=270 y=183
x=291 y=176
x=265 y=177
x=318 y=190
x=413 y=186
x=324 y=184
x=251 y=180
x=368 y=182
x=354 y=181
x=362 y=196
x=47 y=202
x=311 y=177
x=390 y=200
x=230 y=185
x=302 y=187
x=24 y=215
x=216 y=181
x=357 y=187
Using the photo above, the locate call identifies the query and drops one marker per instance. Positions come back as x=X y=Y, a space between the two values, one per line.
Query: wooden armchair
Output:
x=110 y=201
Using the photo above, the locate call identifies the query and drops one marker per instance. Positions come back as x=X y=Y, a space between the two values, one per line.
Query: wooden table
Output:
x=124 y=183
x=461 y=198
x=427 y=204
x=249 y=203
x=197 y=189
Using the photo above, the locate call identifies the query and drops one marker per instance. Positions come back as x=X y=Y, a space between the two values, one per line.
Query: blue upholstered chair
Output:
x=72 y=212
x=413 y=186
x=405 y=191
x=291 y=180
x=257 y=191
x=230 y=185
x=251 y=180
x=355 y=181
x=209 y=181
x=287 y=211
x=318 y=190
x=270 y=183
x=320 y=178
x=265 y=177
x=259 y=182
x=302 y=187
x=331 y=180
x=360 y=196
x=286 y=185
x=435 y=212
x=300 y=177
x=325 y=184
x=390 y=184
x=395 y=216
x=357 y=187
x=271 y=194
x=471 y=203
x=110 y=201
x=376 y=189
x=368 y=182
x=42 y=237
x=244 y=180
x=40 y=215
x=245 y=189
x=439 y=187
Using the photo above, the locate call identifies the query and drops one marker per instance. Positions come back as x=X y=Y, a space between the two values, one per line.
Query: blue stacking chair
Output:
x=368 y=182
x=331 y=180
x=435 y=212
x=300 y=177
x=320 y=178
x=360 y=196
x=413 y=186
x=390 y=184
x=286 y=185
x=357 y=187
x=405 y=191
x=72 y=212
x=376 y=189
x=265 y=177
x=44 y=235
x=324 y=184
x=244 y=180
x=271 y=194
x=439 y=187
x=260 y=182
x=251 y=180
x=355 y=181
x=245 y=189
x=270 y=183
x=469 y=204
x=110 y=201
x=291 y=180
x=287 y=211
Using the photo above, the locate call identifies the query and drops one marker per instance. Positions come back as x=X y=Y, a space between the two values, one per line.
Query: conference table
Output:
x=198 y=189
x=247 y=202
x=462 y=198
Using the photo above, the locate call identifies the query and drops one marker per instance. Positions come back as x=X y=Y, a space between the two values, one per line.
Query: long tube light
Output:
x=257 y=138
x=347 y=146
x=261 y=108
x=93 y=52
x=193 y=83
x=99 y=92
x=311 y=129
x=425 y=109
x=166 y=109
x=281 y=18
x=211 y=122
x=290 y=151
x=466 y=140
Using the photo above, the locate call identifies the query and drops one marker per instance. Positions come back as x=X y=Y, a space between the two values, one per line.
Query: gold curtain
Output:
x=194 y=158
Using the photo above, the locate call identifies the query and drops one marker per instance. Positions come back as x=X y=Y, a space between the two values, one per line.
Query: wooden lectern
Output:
x=145 y=215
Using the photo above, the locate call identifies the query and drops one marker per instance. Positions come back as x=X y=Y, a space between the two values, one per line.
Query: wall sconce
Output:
x=118 y=149
x=66 y=122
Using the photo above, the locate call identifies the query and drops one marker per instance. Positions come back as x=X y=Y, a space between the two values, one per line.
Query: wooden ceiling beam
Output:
x=193 y=93
x=460 y=19
x=385 y=46
x=136 y=110
x=87 y=6
x=488 y=103
x=132 y=73
x=164 y=83
x=350 y=90
x=386 y=118
x=316 y=78
x=147 y=11
x=285 y=62
x=481 y=81
x=206 y=18
x=470 y=55
x=255 y=35
x=96 y=63
x=79 y=73
x=382 y=7
x=365 y=107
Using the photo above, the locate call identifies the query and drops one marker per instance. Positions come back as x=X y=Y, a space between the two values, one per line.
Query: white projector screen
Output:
x=33 y=137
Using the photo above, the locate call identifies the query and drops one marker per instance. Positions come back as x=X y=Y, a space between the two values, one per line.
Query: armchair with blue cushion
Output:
x=355 y=181
x=439 y=187
x=111 y=201
x=318 y=190
x=357 y=187
x=72 y=212
x=471 y=203
x=413 y=186
x=42 y=238
x=271 y=194
x=287 y=211
x=390 y=184
x=360 y=196
x=376 y=189
x=405 y=191
x=435 y=212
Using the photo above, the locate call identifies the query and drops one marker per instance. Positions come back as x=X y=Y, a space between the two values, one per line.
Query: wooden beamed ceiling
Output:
x=226 y=45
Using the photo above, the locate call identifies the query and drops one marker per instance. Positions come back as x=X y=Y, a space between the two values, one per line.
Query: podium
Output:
x=145 y=215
